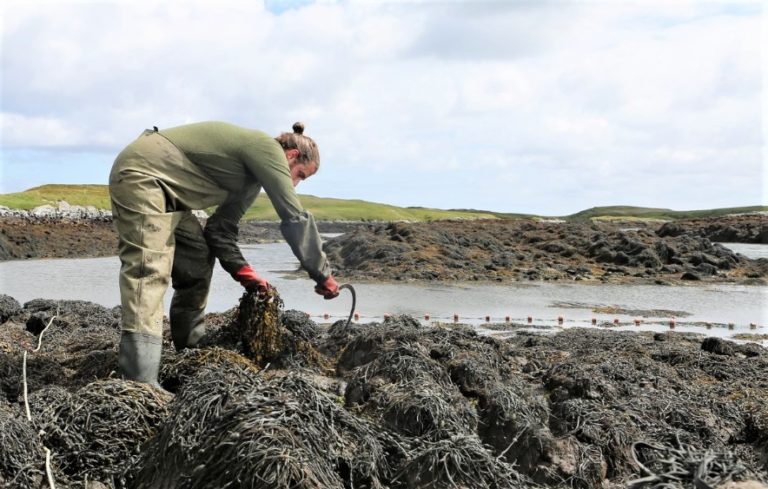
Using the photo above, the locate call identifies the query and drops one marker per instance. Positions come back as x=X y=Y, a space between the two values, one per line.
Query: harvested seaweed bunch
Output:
x=258 y=320
x=267 y=339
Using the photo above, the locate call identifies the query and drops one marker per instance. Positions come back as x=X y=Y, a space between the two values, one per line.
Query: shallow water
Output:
x=750 y=250
x=95 y=280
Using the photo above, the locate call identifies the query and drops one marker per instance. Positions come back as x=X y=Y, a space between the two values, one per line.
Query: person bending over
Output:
x=155 y=184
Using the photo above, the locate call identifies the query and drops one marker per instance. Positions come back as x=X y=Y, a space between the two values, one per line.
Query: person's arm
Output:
x=266 y=161
x=221 y=229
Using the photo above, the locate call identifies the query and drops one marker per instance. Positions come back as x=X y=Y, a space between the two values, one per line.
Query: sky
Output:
x=542 y=107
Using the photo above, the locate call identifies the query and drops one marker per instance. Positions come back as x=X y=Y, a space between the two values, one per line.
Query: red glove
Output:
x=328 y=289
x=249 y=279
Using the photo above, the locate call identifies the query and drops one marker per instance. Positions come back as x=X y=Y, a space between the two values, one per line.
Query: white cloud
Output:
x=596 y=95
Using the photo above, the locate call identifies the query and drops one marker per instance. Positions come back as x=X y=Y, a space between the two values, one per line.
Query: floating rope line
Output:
x=530 y=320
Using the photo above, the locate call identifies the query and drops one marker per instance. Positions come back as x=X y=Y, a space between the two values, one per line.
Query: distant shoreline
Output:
x=456 y=251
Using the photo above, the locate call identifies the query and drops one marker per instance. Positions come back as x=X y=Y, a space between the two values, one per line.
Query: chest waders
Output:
x=155 y=246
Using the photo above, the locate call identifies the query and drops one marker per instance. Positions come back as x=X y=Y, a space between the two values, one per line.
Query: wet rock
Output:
x=9 y=307
x=670 y=229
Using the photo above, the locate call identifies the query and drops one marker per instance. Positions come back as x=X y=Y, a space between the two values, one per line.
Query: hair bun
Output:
x=298 y=128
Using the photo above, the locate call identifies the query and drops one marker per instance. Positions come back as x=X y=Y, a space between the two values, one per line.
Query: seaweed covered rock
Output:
x=459 y=461
x=514 y=422
x=92 y=366
x=299 y=324
x=14 y=338
x=41 y=370
x=615 y=389
x=66 y=330
x=179 y=368
x=96 y=432
x=9 y=307
x=22 y=461
x=282 y=432
x=523 y=250
x=686 y=465
x=411 y=394
x=69 y=314
x=170 y=459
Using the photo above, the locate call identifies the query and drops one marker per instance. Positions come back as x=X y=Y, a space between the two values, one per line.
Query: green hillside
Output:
x=653 y=213
x=322 y=208
x=359 y=210
x=325 y=209
x=85 y=195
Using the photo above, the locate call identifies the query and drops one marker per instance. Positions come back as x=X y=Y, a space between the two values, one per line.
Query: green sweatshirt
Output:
x=240 y=162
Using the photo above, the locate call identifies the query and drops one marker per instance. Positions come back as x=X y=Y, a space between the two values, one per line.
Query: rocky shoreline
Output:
x=677 y=252
x=86 y=232
x=524 y=250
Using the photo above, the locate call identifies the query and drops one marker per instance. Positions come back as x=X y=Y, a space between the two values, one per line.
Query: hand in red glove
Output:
x=249 y=279
x=328 y=289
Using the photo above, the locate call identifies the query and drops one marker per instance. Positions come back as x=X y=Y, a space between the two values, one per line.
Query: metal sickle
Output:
x=354 y=301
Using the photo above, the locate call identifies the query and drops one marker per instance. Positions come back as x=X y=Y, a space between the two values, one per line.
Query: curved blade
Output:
x=354 y=300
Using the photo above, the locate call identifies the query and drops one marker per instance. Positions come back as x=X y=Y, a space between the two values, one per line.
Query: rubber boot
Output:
x=187 y=328
x=139 y=357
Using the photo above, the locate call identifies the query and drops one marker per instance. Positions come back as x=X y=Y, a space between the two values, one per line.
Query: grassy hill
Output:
x=85 y=195
x=653 y=213
x=358 y=210
x=322 y=208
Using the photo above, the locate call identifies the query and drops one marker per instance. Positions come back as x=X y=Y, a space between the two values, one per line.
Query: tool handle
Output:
x=354 y=300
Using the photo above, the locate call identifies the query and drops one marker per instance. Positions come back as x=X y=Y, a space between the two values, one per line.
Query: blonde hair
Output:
x=308 y=151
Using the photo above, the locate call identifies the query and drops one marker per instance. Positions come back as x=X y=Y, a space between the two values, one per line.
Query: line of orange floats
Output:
x=560 y=320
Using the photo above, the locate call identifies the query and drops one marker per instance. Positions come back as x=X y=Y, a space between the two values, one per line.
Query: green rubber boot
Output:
x=139 y=357
x=187 y=328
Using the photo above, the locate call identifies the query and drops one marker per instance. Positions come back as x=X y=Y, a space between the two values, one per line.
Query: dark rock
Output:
x=750 y=350
x=690 y=276
x=706 y=269
x=670 y=229
x=718 y=346
x=9 y=307
x=298 y=323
